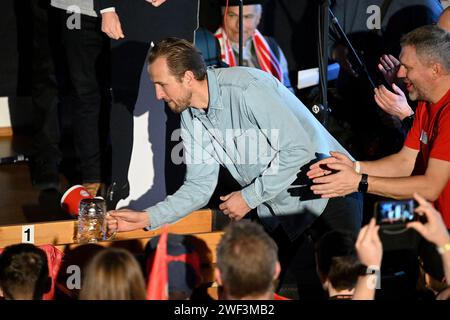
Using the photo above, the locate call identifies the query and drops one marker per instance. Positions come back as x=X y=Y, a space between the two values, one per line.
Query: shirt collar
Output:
x=213 y=94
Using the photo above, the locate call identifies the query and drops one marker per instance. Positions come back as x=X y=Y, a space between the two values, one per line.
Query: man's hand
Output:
x=234 y=205
x=444 y=294
x=320 y=168
x=338 y=184
x=111 y=25
x=389 y=66
x=156 y=3
x=370 y=253
x=393 y=103
x=434 y=230
x=126 y=220
x=368 y=245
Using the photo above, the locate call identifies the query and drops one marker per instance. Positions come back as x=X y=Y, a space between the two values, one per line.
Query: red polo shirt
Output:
x=419 y=137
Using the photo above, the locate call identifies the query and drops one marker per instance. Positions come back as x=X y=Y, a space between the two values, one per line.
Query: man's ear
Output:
x=277 y=270
x=323 y=278
x=218 y=276
x=258 y=19
x=437 y=70
x=189 y=76
x=326 y=285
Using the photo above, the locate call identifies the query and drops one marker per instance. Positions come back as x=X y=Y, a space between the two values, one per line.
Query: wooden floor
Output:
x=19 y=201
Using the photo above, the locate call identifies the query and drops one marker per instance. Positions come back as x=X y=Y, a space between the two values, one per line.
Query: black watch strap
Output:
x=363 y=184
x=362 y=270
x=408 y=121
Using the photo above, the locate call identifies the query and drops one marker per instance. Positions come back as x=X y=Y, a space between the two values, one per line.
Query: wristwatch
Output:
x=363 y=184
x=364 y=270
x=408 y=121
x=444 y=248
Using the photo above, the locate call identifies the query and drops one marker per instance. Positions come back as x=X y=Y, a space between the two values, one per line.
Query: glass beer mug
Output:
x=92 y=226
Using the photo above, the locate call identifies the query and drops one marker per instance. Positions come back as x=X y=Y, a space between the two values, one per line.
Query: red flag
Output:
x=158 y=282
x=54 y=257
x=278 y=297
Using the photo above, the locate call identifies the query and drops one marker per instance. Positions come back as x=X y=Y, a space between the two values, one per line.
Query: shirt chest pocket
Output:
x=253 y=148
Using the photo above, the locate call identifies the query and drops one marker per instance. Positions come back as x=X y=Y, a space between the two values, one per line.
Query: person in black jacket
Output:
x=86 y=50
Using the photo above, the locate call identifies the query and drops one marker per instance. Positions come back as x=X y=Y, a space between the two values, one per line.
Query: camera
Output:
x=395 y=212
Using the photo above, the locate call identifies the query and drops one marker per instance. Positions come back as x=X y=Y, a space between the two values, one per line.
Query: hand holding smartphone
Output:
x=395 y=212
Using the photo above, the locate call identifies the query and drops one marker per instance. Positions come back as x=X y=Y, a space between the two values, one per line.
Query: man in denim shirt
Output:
x=247 y=121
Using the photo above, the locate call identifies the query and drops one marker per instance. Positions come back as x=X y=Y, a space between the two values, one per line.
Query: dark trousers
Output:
x=297 y=258
x=87 y=51
x=46 y=55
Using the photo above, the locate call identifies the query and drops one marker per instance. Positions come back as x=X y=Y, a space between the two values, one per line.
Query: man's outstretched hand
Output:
x=126 y=220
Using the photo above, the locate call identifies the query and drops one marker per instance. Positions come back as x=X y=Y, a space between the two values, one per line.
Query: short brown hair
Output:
x=181 y=56
x=24 y=270
x=432 y=44
x=336 y=259
x=247 y=258
x=344 y=272
x=113 y=274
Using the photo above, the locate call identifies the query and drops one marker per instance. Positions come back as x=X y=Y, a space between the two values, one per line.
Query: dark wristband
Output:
x=408 y=121
x=363 y=184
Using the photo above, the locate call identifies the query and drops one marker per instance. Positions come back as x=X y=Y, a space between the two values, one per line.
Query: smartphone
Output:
x=394 y=212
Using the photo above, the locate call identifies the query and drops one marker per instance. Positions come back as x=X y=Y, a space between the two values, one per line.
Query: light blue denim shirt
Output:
x=256 y=128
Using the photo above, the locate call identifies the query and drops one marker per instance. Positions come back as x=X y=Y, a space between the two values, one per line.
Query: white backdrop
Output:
x=146 y=171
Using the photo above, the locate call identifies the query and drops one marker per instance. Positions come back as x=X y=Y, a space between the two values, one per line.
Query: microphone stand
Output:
x=322 y=110
x=241 y=31
x=322 y=48
x=349 y=45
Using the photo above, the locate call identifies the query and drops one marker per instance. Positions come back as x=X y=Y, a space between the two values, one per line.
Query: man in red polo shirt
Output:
x=423 y=164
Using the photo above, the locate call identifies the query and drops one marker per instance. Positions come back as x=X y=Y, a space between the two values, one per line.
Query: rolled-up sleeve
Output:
x=199 y=184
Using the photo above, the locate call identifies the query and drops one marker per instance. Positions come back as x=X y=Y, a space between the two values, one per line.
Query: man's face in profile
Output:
x=174 y=91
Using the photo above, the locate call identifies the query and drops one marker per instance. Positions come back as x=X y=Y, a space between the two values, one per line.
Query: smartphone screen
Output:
x=395 y=212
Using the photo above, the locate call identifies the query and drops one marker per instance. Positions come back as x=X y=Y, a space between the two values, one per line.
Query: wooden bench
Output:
x=205 y=244
x=64 y=232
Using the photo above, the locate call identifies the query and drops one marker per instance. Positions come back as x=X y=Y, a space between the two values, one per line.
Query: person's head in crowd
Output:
x=444 y=20
x=427 y=285
x=425 y=63
x=176 y=67
x=252 y=11
x=247 y=262
x=184 y=271
x=24 y=272
x=113 y=274
x=338 y=266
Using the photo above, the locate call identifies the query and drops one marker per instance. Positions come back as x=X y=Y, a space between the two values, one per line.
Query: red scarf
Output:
x=266 y=58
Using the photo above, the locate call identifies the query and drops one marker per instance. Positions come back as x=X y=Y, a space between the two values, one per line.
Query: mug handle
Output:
x=107 y=236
